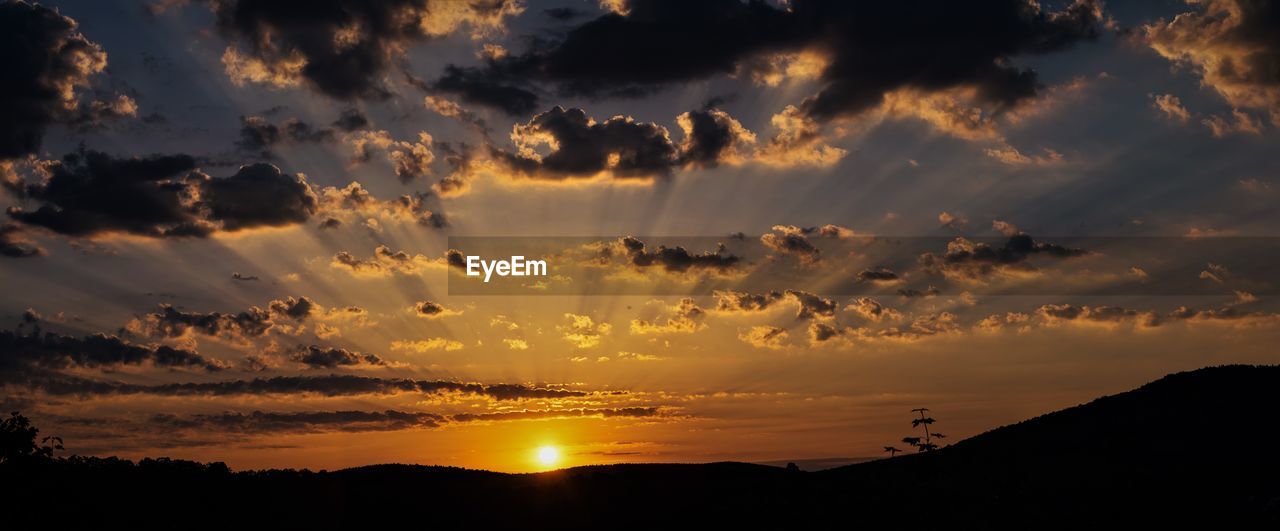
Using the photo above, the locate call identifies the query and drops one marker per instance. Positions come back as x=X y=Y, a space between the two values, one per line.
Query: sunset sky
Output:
x=229 y=222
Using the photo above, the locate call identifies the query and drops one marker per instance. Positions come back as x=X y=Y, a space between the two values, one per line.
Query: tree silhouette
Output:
x=18 y=441
x=892 y=451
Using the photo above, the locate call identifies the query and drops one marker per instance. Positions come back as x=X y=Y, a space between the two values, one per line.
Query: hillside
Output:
x=1191 y=448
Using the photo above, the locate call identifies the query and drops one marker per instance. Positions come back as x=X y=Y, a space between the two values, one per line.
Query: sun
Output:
x=547 y=456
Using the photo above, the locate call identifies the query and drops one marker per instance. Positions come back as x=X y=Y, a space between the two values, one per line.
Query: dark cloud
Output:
x=583 y=147
x=712 y=137
x=295 y=308
x=911 y=293
x=351 y=120
x=260 y=422
x=317 y=357
x=258 y=195
x=492 y=87
x=341 y=48
x=45 y=60
x=244 y=278
x=330 y=385
x=170 y=322
x=34 y=352
x=678 y=259
x=264 y=423
x=430 y=309
x=969 y=259
x=812 y=305
x=257 y=134
x=657 y=43
x=1097 y=314
x=736 y=301
x=821 y=332
x=873 y=48
x=557 y=413
x=794 y=244
x=882 y=274
x=161 y=196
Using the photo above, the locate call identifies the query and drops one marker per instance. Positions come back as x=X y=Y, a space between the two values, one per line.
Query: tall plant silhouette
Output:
x=922 y=444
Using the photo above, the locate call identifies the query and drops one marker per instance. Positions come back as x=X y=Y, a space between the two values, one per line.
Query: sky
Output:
x=235 y=230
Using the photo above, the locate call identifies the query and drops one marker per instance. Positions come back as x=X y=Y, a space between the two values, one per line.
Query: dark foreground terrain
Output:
x=1191 y=449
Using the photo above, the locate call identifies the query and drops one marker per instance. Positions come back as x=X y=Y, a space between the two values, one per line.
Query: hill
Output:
x=1194 y=448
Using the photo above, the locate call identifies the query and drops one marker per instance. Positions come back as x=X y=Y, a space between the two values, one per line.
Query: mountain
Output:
x=1191 y=449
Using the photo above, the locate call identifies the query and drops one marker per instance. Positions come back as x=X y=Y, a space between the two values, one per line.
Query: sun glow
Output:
x=547 y=456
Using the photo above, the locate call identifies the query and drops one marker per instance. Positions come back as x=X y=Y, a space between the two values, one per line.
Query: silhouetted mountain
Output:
x=1191 y=449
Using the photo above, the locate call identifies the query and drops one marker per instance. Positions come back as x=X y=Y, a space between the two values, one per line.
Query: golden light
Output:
x=547 y=456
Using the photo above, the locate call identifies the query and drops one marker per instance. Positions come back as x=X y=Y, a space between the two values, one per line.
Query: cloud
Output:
x=540 y=414
x=424 y=345
x=712 y=138
x=677 y=259
x=869 y=49
x=270 y=423
x=384 y=262
x=261 y=423
x=160 y=196
x=1054 y=313
x=240 y=326
x=798 y=142
x=317 y=357
x=582 y=331
x=872 y=310
x=765 y=336
x=1232 y=46
x=879 y=276
x=952 y=221
x=683 y=318
x=1216 y=273
x=912 y=293
x=1010 y=155
x=794 y=241
x=354 y=201
x=410 y=160
x=431 y=310
x=924 y=326
x=736 y=301
x=1170 y=106
x=258 y=135
x=12 y=244
x=582 y=147
x=967 y=260
x=329 y=386
x=343 y=49
x=808 y=305
x=811 y=305
x=1237 y=123
x=30 y=353
x=46 y=61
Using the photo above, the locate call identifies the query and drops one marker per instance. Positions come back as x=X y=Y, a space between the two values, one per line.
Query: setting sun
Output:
x=547 y=456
